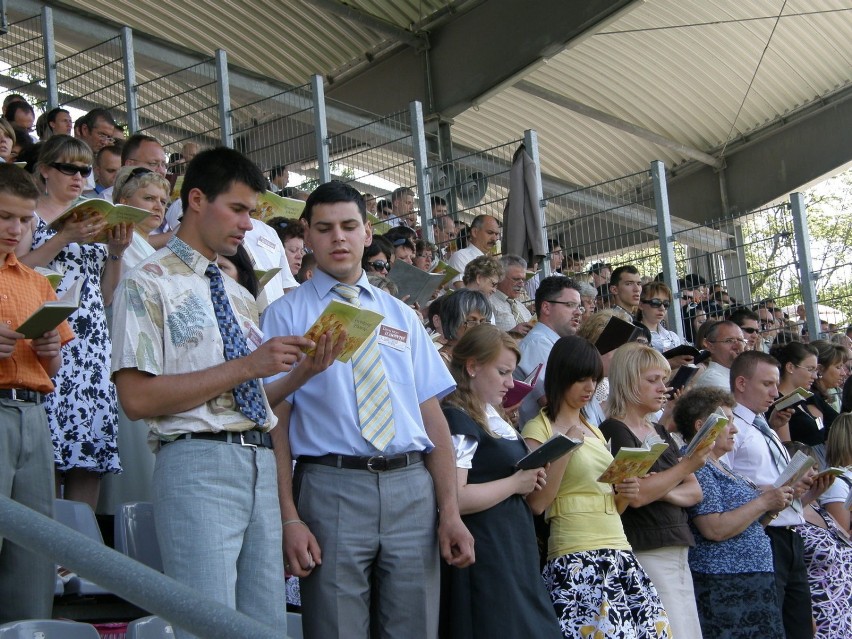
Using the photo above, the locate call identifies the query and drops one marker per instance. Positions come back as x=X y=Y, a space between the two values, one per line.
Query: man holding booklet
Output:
x=758 y=455
x=26 y=449
x=187 y=357
x=373 y=450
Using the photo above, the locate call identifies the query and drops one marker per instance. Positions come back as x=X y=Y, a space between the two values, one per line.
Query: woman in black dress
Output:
x=502 y=594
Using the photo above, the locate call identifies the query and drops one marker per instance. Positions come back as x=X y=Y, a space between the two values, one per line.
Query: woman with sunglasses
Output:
x=82 y=411
x=292 y=236
x=378 y=257
x=654 y=303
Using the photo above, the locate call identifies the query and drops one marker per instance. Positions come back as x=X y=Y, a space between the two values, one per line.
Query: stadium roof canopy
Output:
x=744 y=100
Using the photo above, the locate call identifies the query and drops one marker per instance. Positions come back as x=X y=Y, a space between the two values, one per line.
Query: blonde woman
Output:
x=838 y=452
x=492 y=502
x=82 y=412
x=656 y=521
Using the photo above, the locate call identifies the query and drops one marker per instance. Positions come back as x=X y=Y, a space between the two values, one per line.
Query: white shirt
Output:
x=504 y=317
x=266 y=250
x=535 y=349
x=466 y=446
x=716 y=376
x=462 y=258
x=751 y=457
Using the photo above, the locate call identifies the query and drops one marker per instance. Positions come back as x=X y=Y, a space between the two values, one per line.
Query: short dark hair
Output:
x=287 y=228
x=215 y=171
x=53 y=113
x=92 y=117
x=380 y=244
x=17 y=182
x=549 y=289
x=245 y=270
x=132 y=144
x=571 y=359
x=436 y=200
x=699 y=403
x=13 y=108
x=401 y=192
x=332 y=193
x=746 y=363
x=616 y=274
x=742 y=314
x=278 y=169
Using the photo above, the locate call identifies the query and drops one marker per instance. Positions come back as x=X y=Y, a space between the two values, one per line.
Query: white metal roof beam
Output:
x=623 y=125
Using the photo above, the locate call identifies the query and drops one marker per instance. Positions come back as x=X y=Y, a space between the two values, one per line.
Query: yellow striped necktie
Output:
x=375 y=412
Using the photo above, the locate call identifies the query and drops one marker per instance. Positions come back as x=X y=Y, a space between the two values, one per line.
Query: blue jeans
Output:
x=219 y=525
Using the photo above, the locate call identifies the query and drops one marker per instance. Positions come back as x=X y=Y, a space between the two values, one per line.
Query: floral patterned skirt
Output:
x=605 y=593
x=739 y=606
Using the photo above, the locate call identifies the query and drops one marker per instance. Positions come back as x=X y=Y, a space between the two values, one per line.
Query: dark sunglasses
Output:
x=749 y=329
x=70 y=169
x=655 y=303
x=379 y=265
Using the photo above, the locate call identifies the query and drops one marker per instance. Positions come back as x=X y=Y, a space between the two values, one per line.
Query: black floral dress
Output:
x=82 y=411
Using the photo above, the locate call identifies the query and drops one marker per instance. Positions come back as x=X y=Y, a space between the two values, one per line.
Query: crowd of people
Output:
x=387 y=485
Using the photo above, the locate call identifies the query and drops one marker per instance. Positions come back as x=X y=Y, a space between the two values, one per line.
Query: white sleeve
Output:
x=465 y=447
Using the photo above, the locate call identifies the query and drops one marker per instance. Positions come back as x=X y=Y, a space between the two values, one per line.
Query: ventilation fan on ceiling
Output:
x=471 y=187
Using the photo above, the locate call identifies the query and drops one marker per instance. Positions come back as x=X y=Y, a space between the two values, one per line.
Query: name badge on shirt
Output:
x=253 y=335
x=393 y=337
x=268 y=244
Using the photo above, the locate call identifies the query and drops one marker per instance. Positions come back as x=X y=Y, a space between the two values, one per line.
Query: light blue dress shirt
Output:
x=324 y=416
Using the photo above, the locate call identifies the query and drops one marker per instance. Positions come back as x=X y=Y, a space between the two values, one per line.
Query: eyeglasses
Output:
x=66 y=168
x=729 y=341
x=162 y=164
x=570 y=305
x=380 y=265
x=749 y=329
x=474 y=322
x=810 y=369
x=655 y=303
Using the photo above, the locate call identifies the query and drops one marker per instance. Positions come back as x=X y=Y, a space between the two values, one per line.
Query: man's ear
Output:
x=740 y=384
x=195 y=200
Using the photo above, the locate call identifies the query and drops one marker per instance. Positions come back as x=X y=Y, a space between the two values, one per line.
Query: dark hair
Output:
x=278 y=169
x=53 y=113
x=332 y=193
x=215 y=171
x=436 y=200
x=400 y=232
x=571 y=359
x=697 y=404
x=287 y=228
x=746 y=363
x=792 y=353
x=13 y=108
x=434 y=309
x=245 y=270
x=616 y=274
x=114 y=149
x=550 y=288
x=132 y=144
x=16 y=182
x=309 y=263
x=22 y=136
x=91 y=118
x=378 y=245
x=742 y=314
x=401 y=192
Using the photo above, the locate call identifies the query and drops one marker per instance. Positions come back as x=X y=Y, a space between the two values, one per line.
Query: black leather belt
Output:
x=22 y=395
x=252 y=438
x=376 y=463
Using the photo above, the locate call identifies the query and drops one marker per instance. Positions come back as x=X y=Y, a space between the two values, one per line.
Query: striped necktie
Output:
x=375 y=412
x=779 y=454
x=515 y=305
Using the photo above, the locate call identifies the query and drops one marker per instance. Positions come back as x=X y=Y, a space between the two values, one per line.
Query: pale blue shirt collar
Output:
x=324 y=284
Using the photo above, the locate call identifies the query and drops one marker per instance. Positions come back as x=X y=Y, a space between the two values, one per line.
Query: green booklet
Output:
x=270 y=205
x=338 y=316
x=51 y=314
x=114 y=214
x=54 y=277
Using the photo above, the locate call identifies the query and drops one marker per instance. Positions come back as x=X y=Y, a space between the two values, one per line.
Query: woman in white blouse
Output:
x=502 y=594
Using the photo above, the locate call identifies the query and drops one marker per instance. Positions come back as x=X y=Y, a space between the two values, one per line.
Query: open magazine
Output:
x=51 y=314
x=798 y=467
x=522 y=388
x=114 y=214
x=359 y=324
x=707 y=434
x=557 y=446
x=634 y=462
x=793 y=398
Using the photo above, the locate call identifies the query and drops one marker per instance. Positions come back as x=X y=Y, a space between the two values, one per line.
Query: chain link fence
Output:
x=22 y=58
x=94 y=77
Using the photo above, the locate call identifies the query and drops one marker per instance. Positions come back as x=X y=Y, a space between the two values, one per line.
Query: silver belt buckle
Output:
x=14 y=395
x=379 y=459
x=243 y=440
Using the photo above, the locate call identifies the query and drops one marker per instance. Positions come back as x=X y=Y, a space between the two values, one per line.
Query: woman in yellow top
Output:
x=597 y=587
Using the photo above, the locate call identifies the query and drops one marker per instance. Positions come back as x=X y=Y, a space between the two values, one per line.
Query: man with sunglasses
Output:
x=749 y=324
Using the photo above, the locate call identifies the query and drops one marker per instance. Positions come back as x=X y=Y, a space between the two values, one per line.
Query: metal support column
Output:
x=803 y=249
x=531 y=146
x=445 y=149
x=224 y=93
x=418 y=140
x=320 y=129
x=129 y=79
x=664 y=231
x=49 y=58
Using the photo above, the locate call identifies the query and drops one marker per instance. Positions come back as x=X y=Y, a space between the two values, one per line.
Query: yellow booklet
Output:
x=634 y=462
x=114 y=214
x=264 y=277
x=338 y=316
x=270 y=205
x=707 y=434
x=446 y=270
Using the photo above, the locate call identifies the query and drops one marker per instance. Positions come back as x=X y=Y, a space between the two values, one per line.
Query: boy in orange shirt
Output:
x=26 y=450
